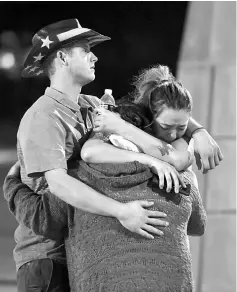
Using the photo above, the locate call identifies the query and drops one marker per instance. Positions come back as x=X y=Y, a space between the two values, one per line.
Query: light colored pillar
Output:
x=207 y=67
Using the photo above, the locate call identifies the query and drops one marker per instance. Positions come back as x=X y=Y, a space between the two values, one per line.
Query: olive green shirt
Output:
x=50 y=136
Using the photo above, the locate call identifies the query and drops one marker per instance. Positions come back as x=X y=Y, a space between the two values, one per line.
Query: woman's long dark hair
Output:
x=133 y=113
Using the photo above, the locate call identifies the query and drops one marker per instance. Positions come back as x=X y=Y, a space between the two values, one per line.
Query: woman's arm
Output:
x=44 y=214
x=96 y=150
x=185 y=144
x=93 y=151
x=198 y=218
x=205 y=145
x=109 y=122
x=47 y=215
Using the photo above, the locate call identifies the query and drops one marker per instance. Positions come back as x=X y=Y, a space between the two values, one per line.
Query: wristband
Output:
x=200 y=128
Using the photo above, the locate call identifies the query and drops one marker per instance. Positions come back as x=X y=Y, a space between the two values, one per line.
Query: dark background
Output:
x=143 y=33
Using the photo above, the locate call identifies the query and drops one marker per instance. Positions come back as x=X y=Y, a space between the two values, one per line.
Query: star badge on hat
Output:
x=54 y=36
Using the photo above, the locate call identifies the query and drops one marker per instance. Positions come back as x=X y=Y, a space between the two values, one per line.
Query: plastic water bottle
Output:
x=107 y=100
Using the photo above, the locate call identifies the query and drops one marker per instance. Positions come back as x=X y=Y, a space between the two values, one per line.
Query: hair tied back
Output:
x=164 y=81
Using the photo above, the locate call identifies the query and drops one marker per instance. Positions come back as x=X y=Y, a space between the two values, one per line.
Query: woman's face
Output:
x=171 y=124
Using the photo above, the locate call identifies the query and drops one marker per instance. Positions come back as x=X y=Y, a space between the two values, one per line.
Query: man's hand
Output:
x=107 y=122
x=139 y=220
x=15 y=170
x=207 y=152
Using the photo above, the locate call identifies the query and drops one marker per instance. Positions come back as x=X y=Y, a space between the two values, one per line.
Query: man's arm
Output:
x=44 y=153
x=131 y=215
x=44 y=214
x=43 y=149
x=79 y=195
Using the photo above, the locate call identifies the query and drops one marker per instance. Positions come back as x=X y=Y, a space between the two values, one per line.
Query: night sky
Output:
x=142 y=33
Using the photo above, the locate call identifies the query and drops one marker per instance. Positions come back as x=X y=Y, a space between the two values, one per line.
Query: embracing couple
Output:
x=106 y=197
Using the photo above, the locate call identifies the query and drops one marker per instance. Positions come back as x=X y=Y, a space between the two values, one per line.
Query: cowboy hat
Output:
x=53 y=37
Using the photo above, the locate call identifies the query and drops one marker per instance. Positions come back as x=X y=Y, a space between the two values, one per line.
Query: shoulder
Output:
x=44 y=109
x=40 y=119
x=43 y=105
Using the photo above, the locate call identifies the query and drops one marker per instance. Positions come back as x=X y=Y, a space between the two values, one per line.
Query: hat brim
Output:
x=33 y=69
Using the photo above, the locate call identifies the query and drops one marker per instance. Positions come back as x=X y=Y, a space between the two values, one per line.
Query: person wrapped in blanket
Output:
x=101 y=254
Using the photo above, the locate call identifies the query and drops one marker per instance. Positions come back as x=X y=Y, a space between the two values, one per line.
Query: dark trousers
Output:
x=44 y=275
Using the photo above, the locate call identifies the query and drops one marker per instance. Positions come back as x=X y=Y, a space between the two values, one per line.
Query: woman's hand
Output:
x=107 y=122
x=167 y=172
x=208 y=153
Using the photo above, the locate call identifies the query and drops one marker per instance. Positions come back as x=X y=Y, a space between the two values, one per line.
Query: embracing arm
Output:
x=156 y=147
x=96 y=150
x=44 y=214
x=208 y=152
x=80 y=195
x=193 y=125
x=48 y=158
x=49 y=216
x=51 y=162
x=150 y=145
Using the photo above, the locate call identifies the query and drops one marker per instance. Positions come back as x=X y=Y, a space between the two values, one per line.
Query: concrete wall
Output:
x=207 y=67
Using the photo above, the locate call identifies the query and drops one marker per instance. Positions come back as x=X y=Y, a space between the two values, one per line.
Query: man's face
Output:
x=82 y=64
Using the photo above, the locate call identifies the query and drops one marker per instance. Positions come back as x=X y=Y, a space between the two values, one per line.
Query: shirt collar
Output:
x=62 y=98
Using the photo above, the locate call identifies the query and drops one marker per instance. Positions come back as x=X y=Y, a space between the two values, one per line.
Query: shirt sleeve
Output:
x=42 y=142
x=45 y=214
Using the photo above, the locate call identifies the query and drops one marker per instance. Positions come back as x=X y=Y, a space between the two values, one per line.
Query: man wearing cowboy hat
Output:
x=50 y=135
x=48 y=139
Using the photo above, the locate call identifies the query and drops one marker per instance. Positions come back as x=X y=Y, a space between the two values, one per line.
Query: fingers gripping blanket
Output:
x=103 y=256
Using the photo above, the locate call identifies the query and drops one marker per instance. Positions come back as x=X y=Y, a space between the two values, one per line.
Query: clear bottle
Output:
x=107 y=100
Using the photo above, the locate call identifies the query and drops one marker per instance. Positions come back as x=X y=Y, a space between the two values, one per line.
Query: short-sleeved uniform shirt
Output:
x=50 y=135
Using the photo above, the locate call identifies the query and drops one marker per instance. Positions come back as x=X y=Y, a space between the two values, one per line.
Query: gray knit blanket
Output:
x=103 y=256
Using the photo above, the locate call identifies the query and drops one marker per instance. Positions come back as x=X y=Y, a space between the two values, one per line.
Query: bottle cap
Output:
x=108 y=91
